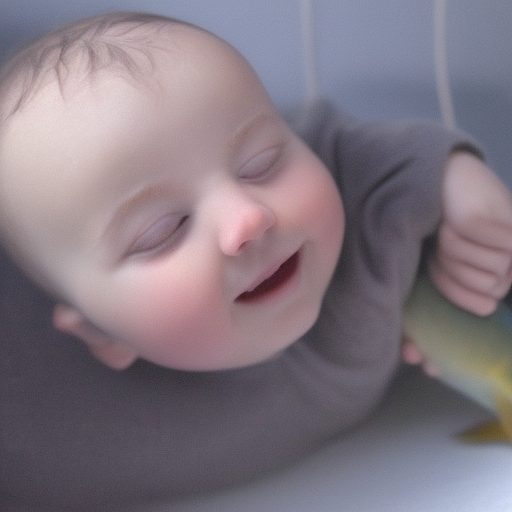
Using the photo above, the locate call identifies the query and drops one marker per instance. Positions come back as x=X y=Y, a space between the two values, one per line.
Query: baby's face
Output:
x=183 y=218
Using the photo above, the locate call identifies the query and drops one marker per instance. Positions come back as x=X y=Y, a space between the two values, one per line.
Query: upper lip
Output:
x=269 y=271
x=265 y=276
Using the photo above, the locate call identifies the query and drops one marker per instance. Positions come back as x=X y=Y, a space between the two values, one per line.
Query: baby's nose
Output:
x=246 y=221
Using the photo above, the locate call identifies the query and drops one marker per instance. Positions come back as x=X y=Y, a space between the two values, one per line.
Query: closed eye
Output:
x=263 y=165
x=164 y=234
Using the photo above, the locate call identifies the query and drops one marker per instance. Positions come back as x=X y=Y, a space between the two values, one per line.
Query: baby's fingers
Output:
x=411 y=354
x=487 y=269
x=468 y=288
x=491 y=282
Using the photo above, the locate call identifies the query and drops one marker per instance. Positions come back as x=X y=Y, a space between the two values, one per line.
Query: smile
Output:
x=273 y=283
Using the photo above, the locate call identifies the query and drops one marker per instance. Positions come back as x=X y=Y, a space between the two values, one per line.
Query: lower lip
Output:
x=278 y=280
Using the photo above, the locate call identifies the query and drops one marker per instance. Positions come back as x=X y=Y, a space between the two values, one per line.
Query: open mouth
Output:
x=278 y=279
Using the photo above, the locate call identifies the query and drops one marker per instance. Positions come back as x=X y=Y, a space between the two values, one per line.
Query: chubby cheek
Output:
x=331 y=217
x=318 y=208
x=178 y=323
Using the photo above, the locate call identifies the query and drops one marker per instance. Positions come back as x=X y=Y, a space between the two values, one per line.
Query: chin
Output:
x=306 y=324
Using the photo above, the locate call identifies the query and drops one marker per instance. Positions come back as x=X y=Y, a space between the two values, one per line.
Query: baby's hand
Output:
x=411 y=354
x=472 y=263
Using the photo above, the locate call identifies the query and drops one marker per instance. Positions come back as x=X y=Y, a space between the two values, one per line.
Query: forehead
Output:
x=70 y=150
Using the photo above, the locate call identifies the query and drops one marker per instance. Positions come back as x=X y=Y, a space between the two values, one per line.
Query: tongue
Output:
x=279 y=277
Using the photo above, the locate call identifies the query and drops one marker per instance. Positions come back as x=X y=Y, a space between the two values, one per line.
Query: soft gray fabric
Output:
x=75 y=435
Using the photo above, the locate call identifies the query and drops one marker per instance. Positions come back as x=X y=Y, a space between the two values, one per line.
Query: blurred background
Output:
x=374 y=59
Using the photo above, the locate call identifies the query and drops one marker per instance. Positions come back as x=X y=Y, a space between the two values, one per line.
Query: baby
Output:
x=151 y=188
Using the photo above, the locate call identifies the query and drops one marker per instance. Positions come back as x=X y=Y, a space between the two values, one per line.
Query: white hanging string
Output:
x=440 y=58
x=441 y=65
x=309 y=51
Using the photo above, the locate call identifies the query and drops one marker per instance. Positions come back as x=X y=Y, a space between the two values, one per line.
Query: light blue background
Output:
x=375 y=58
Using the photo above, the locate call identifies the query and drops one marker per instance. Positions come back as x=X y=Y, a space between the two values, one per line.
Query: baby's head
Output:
x=149 y=184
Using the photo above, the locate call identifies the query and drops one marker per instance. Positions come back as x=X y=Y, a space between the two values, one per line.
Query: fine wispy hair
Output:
x=125 y=40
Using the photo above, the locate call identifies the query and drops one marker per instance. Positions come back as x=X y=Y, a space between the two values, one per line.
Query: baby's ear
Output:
x=103 y=347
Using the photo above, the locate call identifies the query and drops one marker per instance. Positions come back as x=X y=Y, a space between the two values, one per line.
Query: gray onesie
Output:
x=75 y=435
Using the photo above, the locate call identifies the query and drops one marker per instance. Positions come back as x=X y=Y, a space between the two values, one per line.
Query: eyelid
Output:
x=162 y=235
x=262 y=165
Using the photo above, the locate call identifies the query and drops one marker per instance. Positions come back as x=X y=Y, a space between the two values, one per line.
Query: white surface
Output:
x=405 y=458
